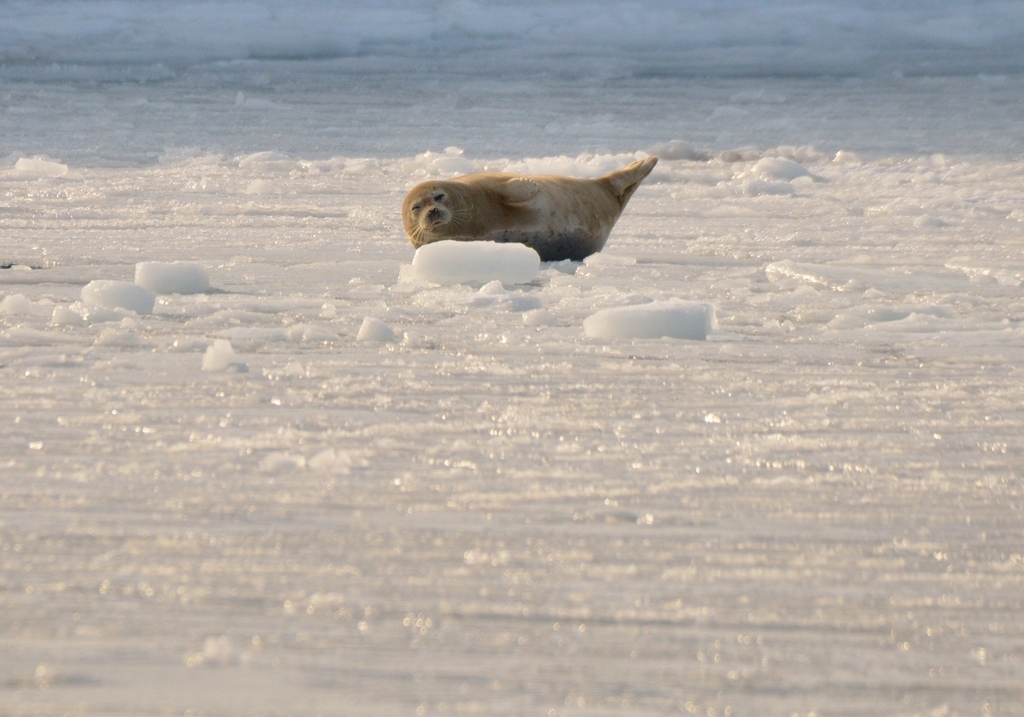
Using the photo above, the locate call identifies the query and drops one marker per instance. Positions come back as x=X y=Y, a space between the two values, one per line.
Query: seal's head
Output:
x=430 y=211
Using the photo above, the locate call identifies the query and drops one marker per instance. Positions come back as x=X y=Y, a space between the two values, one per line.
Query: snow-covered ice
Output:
x=20 y=304
x=460 y=262
x=37 y=168
x=831 y=474
x=375 y=330
x=673 y=318
x=221 y=356
x=172 y=277
x=815 y=510
x=775 y=168
x=110 y=294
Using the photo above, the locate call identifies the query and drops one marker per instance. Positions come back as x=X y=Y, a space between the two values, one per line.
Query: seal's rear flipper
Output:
x=625 y=181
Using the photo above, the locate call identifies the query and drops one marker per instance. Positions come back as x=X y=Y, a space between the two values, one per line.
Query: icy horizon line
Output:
x=994 y=70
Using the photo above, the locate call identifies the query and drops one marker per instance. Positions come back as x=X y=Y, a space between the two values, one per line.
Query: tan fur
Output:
x=559 y=217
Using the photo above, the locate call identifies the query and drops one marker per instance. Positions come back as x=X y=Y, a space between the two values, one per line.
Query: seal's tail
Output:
x=625 y=181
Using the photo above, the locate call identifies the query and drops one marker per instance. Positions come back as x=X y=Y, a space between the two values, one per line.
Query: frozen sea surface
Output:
x=656 y=37
x=818 y=509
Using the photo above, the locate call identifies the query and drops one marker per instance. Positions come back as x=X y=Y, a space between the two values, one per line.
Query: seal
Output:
x=558 y=217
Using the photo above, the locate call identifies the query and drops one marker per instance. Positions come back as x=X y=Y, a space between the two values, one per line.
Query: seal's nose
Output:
x=434 y=214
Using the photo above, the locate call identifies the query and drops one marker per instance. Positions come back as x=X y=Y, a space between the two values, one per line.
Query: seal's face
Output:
x=427 y=210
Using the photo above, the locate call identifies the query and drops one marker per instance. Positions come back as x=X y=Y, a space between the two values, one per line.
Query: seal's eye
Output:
x=416 y=207
x=438 y=197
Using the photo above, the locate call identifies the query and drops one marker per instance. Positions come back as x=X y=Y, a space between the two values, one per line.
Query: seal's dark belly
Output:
x=552 y=246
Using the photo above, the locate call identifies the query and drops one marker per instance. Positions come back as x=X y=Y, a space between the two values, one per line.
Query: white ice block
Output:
x=458 y=262
x=119 y=295
x=17 y=304
x=221 y=356
x=375 y=330
x=39 y=167
x=785 y=170
x=674 y=318
x=175 y=277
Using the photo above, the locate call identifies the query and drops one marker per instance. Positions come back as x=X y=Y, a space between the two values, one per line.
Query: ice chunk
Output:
x=780 y=169
x=117 y=338
x=600 y=259
x=674 y=318
x=39 y=167
x=259 y=186
x=539 y=317
x=65 y=316
x=282 y=462
x=375 y=330
x=268 y=162
x=493 y=288
x=17 y=304
x=96 y=314
x=310 y=334
x=176 y=277
x=494 y=294
x=457 y=262
x=449 y=162
x=119 y=295
x=220 y=356
x=331 y=460
x=927 y=220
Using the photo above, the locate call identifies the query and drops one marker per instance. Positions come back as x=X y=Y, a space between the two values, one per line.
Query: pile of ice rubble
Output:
x=491 y=266
x=494 y=265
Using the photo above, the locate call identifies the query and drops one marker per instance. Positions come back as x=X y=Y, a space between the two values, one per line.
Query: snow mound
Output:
x=110 y=294
x=65 y=316
x=113 y=337
x=331 y=460
x=674 y=318
x=773 y=168
x=268 y=162
x=493 y=294
x=493 y=288
x=220 y=356
x=539 y=317
x=449 y=162
x=845 y=157
x=375 y=330
x=458 y=262
x=176 y=277
x=39 y=167
x=281 y=462
x=16 y=304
